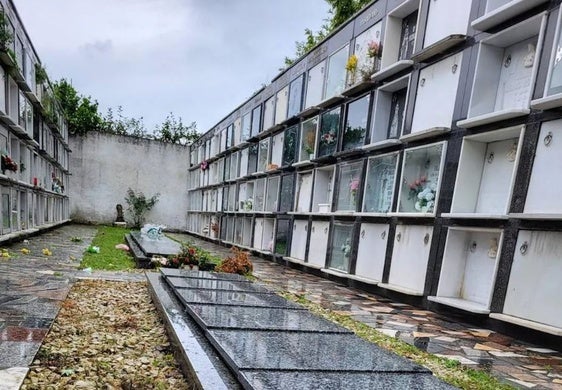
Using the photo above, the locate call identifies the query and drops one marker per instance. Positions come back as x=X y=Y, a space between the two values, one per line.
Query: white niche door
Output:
x=298 y=241
x=534 y=289
x=373 y=239
x=410 y=255
x=469 y=267
x=437 y=83
x=318 y=243
x=544 y=194
x=445 y=18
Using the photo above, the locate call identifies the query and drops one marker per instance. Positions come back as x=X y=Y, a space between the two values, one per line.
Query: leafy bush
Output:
x=189 y=256
x=139 y=205
x=238 y=264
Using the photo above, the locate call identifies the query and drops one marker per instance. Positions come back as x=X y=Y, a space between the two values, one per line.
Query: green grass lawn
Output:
x=109 y=258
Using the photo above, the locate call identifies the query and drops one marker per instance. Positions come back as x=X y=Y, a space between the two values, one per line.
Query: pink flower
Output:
x=354 y=185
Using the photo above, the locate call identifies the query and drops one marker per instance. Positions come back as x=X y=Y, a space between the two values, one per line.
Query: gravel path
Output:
x=106 y=336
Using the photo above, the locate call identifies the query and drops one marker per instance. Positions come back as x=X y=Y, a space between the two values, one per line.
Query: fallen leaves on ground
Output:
x=107 y=335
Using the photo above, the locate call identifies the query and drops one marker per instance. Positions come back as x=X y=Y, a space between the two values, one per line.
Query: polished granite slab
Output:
x=215 y=284
x=291 y=380
x=233 y=298
x=281 y=350
x=261 y=318
x=201 y=274
x=162 y=246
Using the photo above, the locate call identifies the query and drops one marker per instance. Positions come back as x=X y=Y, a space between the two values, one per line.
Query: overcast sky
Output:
x=196 y=58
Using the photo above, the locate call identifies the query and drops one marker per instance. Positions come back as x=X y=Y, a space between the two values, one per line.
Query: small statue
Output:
x=119 y=213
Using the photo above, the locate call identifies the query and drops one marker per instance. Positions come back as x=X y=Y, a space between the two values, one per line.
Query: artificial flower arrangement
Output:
x=328 y=138
x=204 y=165
x=8 y=164
x=351 y=67
x=374 y=49
x=374 y=52
x=423 y=195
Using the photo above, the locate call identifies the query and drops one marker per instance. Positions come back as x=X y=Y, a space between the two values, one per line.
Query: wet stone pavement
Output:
x=32 y=289
x=520 y=364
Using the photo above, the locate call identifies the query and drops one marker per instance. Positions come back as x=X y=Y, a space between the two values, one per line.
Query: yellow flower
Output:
x=46 y=252
x=5 y=254
x=25 y=251
x=351 y=63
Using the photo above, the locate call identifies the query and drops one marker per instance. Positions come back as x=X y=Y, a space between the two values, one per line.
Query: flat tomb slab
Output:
x=162 y=246
x=290 y=380
x=215 y=284
x=281 y=350
x=262 y=318
x=234 y=298
x=183 y=273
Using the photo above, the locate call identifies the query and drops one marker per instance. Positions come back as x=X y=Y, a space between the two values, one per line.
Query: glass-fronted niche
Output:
x=367 y=50
x=553 y=91
x=356 y=119
x=421 y=177
x=342 y=245
x=349 y=188
x=290 y=146
x=307 y=140
x=330 y=124
x=380 y=183
x=295 y=96
x=336 y=77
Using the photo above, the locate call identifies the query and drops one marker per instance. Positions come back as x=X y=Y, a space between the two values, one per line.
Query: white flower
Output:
x=417 y=206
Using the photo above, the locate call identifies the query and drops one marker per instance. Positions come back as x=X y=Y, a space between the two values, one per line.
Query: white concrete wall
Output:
x=104 y=166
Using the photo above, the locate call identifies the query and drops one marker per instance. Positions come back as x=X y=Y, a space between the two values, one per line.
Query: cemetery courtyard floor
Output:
x=101 y=327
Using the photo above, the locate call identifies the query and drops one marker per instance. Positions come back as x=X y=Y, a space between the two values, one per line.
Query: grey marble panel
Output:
x=201 y=274
x=162 y=246
x=292 y=380
x=234 y=298
x=279 y=350
x=215 y=284
x=212 y=316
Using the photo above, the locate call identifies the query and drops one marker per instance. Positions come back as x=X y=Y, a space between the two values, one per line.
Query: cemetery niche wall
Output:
x=34 y=145
x=412 y=153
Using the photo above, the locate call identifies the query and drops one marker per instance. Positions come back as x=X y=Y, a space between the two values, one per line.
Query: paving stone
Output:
x=506 y=354
x=542 y=350
x=458 y=358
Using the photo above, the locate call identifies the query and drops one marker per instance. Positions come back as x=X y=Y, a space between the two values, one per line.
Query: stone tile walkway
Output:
x=32 y=289
x=517 y=363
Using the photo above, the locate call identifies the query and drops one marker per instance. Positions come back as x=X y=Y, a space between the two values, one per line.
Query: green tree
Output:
x=81 y=112
x=341 y=11
x=120 y=124
x=174 y=131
